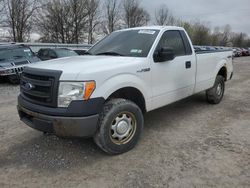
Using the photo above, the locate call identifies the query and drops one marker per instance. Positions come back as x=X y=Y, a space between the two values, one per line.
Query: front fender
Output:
x=109 y=86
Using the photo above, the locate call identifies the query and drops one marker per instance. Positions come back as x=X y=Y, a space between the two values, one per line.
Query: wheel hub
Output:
x=219 y=89
x=122 y=127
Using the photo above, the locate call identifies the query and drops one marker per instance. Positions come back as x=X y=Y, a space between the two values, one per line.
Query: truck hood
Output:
x=71 y=67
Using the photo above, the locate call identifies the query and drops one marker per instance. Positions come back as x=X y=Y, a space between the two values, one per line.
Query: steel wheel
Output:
x=123 y=128
x=120 y=126
x=215 y=94
x=219 y=89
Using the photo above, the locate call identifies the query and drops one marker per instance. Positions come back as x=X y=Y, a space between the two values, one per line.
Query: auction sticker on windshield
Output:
x=136 y=51
x=146 y=31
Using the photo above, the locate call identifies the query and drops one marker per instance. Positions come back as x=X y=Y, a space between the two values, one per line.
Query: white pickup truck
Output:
x=105 y=93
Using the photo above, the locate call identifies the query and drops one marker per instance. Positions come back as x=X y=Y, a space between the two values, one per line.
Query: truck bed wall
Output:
x=208 y=66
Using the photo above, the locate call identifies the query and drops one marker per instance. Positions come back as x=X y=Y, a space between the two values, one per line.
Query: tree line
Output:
x=78 y=21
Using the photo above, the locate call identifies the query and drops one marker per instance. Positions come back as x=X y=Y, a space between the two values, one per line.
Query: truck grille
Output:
x=18 y=70
x=40 y=86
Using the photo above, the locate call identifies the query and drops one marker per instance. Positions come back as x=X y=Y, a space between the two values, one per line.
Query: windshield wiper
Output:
x=110 y=53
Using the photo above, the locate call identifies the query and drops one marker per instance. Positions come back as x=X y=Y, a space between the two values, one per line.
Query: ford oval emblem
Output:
x=28 y=86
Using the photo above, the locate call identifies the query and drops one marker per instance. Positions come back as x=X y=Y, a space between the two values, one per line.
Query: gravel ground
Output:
x=186 y=144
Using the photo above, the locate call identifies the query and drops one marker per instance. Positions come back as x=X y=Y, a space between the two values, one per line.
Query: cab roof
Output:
x=154 y=28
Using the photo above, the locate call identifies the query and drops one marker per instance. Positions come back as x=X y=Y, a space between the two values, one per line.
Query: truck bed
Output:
x=207 y=66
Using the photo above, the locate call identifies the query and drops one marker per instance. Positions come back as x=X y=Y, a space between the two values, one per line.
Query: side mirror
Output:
x=164 y=54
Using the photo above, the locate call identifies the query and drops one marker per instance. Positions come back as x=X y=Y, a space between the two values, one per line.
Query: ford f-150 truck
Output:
x=105 y=93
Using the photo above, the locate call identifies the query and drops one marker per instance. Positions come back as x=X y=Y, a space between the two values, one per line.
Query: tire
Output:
x=120 y=126
x=14 y=79
x=216 y=93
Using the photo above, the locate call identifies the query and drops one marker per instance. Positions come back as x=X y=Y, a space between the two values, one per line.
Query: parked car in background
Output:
x=80 y=51
x=244 y=52
x=210 y=48
x=13 y=58
x=49 y=53
x=197 y=48
x=235 y=53
x=238 y=52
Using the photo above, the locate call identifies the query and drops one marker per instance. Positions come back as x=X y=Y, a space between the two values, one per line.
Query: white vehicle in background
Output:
x=130 y=72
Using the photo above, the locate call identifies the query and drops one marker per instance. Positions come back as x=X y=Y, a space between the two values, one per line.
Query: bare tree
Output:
x=1 y=10
x=200 y=33
x=50 y=22
x=163 y=16
x=1 y=6
x=240 y=39
x=92 y=17
x=111 y=16
x=134 y=15
x=63 y=21
x=215 y=37
x=19 y=18
x=225 y=35
x=79 y=23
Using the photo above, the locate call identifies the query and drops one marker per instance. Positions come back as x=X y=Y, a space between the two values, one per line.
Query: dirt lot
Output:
x=186 y=144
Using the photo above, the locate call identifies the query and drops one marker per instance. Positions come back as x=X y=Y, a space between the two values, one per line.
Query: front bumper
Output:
x=60 y=126
x=61 y=123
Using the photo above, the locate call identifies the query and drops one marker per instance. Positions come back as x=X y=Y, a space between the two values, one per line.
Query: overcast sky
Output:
x=215 y=12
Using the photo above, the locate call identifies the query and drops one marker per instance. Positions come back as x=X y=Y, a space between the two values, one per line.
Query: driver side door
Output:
x=175 y=79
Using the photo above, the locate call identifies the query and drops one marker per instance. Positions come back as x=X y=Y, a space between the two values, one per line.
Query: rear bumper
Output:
x=58 y=125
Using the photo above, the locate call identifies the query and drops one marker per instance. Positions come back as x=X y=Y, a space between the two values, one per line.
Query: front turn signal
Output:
x=89 y=89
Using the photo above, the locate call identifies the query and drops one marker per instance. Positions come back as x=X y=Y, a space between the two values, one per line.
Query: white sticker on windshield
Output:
x=27 y=50
x=136 y=51
x=146 y=31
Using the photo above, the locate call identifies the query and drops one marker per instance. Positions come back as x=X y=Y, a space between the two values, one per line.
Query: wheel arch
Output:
x=223 y=72
x=130 y=93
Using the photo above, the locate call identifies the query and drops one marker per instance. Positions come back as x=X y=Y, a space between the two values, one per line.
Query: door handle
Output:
x=188 y=64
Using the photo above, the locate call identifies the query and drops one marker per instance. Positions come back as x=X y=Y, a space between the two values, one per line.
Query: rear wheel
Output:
x=120 y=126
x=216 y=93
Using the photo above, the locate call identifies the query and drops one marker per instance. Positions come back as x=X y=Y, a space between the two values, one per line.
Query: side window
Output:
x=186 y=43
x=45 y=53
x=173 y=39
x=40 y=53
x=52 y=54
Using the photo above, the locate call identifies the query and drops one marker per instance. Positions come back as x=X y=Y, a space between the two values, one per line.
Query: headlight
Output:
x=71 y=91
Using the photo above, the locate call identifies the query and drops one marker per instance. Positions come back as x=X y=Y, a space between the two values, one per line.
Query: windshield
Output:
x=16 y=53
x=65 y=53
x=131 y=43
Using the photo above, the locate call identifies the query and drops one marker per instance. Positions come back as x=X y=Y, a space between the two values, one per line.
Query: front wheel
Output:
x=120 y=126
x=216 y=93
